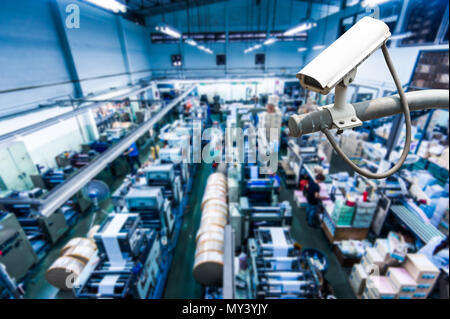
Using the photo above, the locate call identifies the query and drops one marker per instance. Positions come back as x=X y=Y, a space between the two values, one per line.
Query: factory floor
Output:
x=181 y=283
x=310 y=237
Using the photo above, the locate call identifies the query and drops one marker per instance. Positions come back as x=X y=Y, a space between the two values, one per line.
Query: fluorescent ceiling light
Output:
x=400 y=36
x=207 y=50
x=170 y=31
x=300 y=28
x=112 y=5
x=270 y=41
x=372 y=3
x=302 y=49
x=318 y=47
x=253 y=48
x=191 y=42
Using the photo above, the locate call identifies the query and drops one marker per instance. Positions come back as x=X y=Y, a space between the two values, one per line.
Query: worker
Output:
x=271 y=119
x=133 y=157
x=312 y=194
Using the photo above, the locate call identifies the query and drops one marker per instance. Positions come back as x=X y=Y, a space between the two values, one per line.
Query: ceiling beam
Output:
x=175 y=6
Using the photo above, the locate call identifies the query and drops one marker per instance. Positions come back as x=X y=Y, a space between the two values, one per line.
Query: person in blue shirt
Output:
x=133 y=157
x=312 y=194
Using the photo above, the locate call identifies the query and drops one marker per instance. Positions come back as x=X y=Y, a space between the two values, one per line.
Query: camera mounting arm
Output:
x=343 y=114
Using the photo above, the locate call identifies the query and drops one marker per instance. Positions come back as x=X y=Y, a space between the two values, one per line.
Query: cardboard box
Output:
x=374 y=258
x=421 y=269
x=358 y=279
x=379 y=287
x=402 y=282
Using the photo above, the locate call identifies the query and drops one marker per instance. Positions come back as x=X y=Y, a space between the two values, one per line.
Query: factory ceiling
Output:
x=157 y=7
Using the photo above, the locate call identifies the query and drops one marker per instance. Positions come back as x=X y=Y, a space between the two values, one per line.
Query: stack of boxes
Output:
x=378 y=287
x=423 y=272
x=343 y=213
x=358 y=279
x=365 y=211
x=408 y=276
x=402 y=282
x=373 y=257
x=413 y=280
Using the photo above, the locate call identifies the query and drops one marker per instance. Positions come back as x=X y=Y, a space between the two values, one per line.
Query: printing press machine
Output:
x=163 y=175
x=41 y=230
x=128 y=263
x=152 y=206
x=16 y=252
x=277 y=270
x=149 y=202
x=175 y=156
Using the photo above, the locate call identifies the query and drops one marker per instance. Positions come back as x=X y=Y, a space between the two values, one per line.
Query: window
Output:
x=424 y=20
x=220 y=37
x=431 y=71
x=260 y=58
x=221 y=59
x=176 y=60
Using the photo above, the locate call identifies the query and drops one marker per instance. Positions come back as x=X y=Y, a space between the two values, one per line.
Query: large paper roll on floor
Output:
x=208 y=268
x=78 y=242
x=210 y=197
x=63 y=272
x=209 y=229
x=209 y=209
x=82 y=253
x=210 y=246
x=210 y=236
x=216 y=203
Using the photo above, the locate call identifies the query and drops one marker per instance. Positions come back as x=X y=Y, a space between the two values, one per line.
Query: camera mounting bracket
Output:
x=342 y=113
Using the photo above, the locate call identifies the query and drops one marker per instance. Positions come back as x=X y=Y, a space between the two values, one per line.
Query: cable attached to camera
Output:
x=406 y=112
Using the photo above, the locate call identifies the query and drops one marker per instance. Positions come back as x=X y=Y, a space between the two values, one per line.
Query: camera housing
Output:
x=339 y=61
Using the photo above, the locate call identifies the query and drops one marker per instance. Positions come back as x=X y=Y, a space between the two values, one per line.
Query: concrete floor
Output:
x=181 y=283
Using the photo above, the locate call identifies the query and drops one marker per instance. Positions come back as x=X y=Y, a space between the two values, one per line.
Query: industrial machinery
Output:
x=277 y=270
x=16 y=252
x=175 y=156
x=41 y=229
x=153 y=208
x=128 y=265
x=164 y=176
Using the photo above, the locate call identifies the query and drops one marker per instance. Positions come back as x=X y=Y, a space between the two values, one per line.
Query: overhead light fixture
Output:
x=318 y=47
x=300 y=28
x=112 y=5
x=270 y=41
x=191 y=42
x=372 y=3
x=253 y=48
x=204 y=49
x=302 y=49
x=400 y=36
x=170 y=31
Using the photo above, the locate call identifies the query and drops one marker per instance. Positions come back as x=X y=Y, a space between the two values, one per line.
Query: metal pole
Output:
x=228 y=263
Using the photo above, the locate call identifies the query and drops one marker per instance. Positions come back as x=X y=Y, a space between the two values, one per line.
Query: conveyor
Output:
x=423 y=230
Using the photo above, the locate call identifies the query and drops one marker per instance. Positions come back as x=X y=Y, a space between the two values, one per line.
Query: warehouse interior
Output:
x=224 y=149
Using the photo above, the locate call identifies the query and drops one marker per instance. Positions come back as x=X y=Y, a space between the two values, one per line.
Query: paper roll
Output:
x=63 y=272
x=209 y=229
x=78 y=242
x=208 y=268
x=82 y=253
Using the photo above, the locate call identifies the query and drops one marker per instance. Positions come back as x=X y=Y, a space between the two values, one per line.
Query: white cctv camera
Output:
x=336 y=67
x=339 y=61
